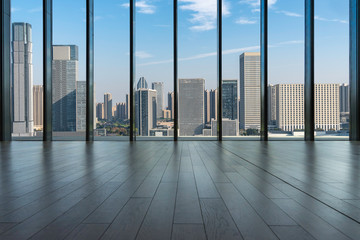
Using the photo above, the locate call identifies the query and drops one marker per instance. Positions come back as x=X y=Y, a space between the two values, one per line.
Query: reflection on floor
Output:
x=184 y=190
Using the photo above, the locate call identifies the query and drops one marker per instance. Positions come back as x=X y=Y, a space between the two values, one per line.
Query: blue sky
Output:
x=197 y=39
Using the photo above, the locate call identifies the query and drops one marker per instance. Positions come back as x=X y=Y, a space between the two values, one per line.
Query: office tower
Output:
x=344 y=98
x=159 y=87
x=271 y=105
x=107 y=106
x=22 y=80
x=100 y=111
x=64 y=78
x=171 y=104
x=145 y=111
x=127 y=107
x=290 y=107
x=120 y=112
x=142 y=83
x=229 y=99
x=250 y=90
x=207 y=106
x=229 y=127
x=166 y=114
x=191 y=106
x=80 y=106
x=38 y=105
x=213 y=104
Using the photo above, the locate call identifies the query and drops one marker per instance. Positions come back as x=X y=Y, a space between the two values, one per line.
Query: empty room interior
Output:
x=180 y=119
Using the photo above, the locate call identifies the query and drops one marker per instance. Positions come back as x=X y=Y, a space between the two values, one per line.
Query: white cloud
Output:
x=204 y=13
x=331 y=20
x=256 y=3
x=34 y=10
x=143 y=55
x=245 y=21
x=142 y=7
x=290 y=14
x=15 y=9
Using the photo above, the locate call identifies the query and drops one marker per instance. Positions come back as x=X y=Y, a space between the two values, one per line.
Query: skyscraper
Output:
x=22 y=80
x=191 y=106
x=64 y=78
x=272 y=104
x=107 y=106
x=344 y=98
x=142 y=83
x=159 y=87
x=207 y=118
x=213 y=104
x=100 y=111
x=171 y=103
x=127 y=107
x=229 y=99
x=80 y=106
x=290 y=106
x=120 y=112
x=145 y=111
x=250 y=90
x=38 y=93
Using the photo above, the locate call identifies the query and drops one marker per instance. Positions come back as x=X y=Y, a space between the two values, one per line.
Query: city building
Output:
x=229 y=127
x=145 y=111
x=191 y=106
x=207 y=106
x=250 y=90
x=159 y=87
x=171 y=104
x=100 y=111
x=142 y=83
x=107 y=106
x=120 y=112
x=344 y=98
x=213 y=104
x=22 y=80
x=64 y=78
x=127 y=107
x=272 y=104
x=229 y=99
x=290 y=107
x=166 y=114
x=38 y=105
x=80 y=106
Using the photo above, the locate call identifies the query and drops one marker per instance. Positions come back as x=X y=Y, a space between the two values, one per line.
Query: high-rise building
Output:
x=213 y=104
x=207 y=106
x=250 y=90
x=229 y=127
x=80 y=106
x=38 y=95
x=145 y=111
x=191 y=106
x=107 y=106
x=64 y=78
x=290 y=106
x=159 y=87
x=166 y=114
x=127 y=107
x=22 y=80
x=171 y=104
x=100 y=111
x=271 y=104
x=120 y=112
x=142 y=83
x=229 y=99
x=344 y=98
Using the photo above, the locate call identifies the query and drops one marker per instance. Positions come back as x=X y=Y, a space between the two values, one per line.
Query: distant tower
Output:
x=107 y=106
x=145 y=111
x=38 y=93
x=22 y=80
x=230 y=98
x=250 y=90
x=142 y=83
x=171 y=103
x=100 y=111
x=80 y=106
x=64 y=78
x=159 y=87
x=344 y=98
x=191 y=106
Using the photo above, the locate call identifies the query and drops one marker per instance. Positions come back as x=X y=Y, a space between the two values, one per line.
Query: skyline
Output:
x=197 y=40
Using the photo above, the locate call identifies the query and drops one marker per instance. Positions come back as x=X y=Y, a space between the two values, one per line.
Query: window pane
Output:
x=154 y=70
x=111 y=70
x=69 y=74
x=331 y=69
x=26 y=69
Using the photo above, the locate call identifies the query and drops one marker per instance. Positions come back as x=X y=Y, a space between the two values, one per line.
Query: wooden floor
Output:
x=183 y=190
